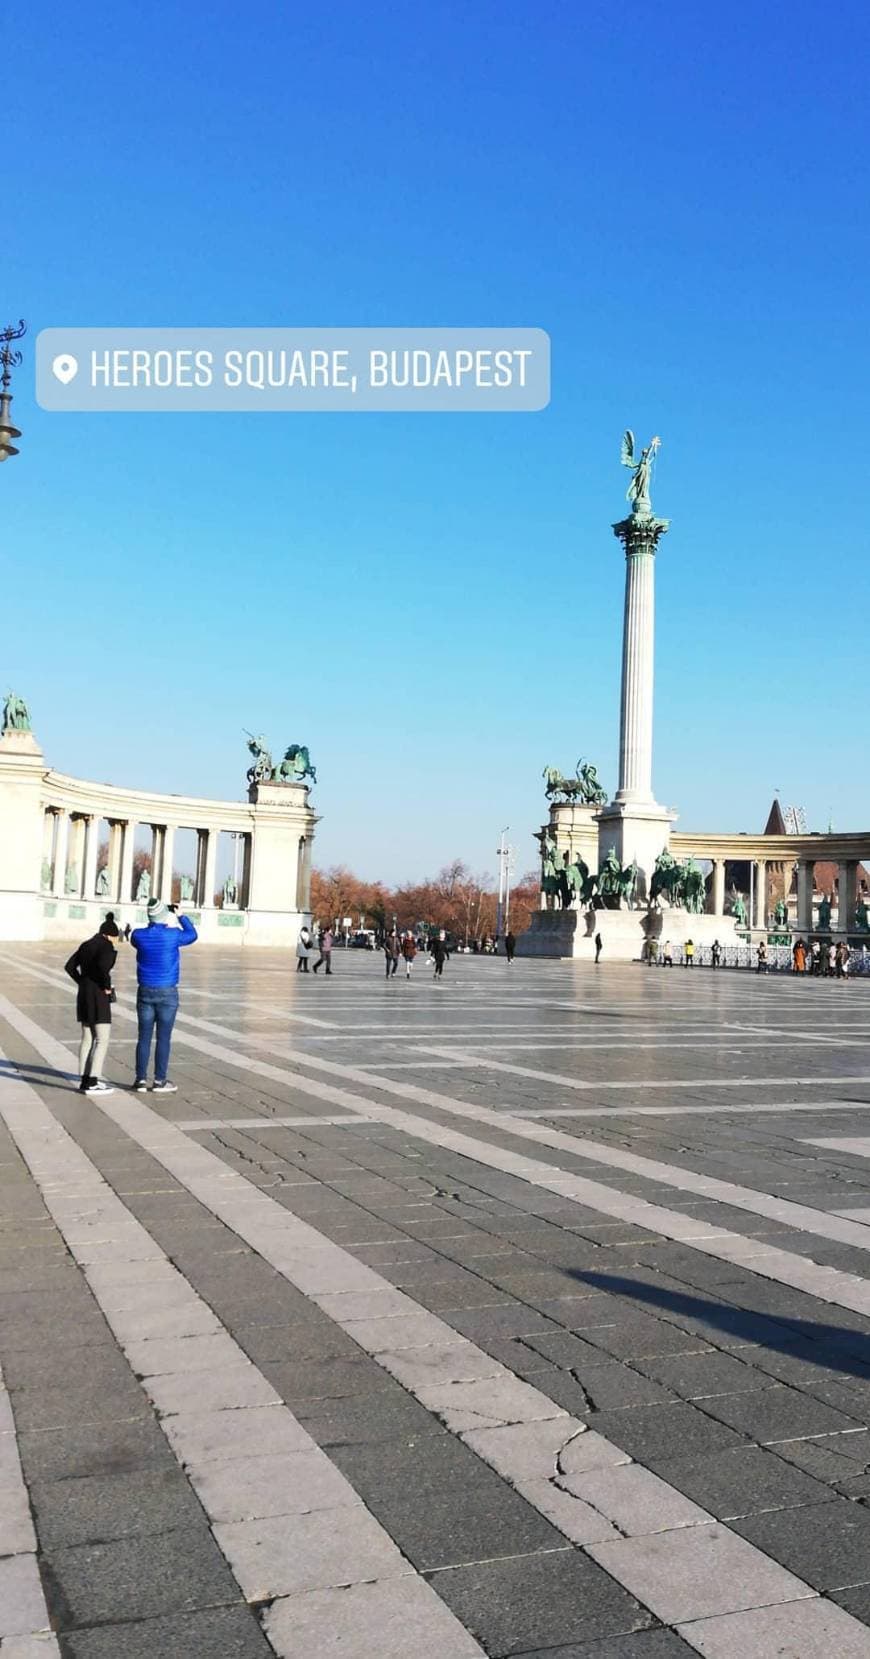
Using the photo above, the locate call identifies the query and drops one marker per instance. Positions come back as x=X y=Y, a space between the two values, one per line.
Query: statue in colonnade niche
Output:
x=824 y=923
x=102 y=887
x=71 y=880
x=143 y=887
x=862 y=919
x=16 y=715
x=185 y=889
x=780 y=914
x=229 y=892
x=45 y=875
x=738 y=909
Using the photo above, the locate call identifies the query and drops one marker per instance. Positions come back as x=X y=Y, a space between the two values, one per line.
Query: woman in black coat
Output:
x=91 y=968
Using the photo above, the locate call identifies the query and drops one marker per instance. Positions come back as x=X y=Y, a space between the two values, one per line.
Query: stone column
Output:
x=76 y=857
x=61 y=844
x=166 y=862
x=245 y=890
x=113 y=863
x=126 y=889
x=303 y=883
x=718 y=887
x=639 y=537
x=209 y=865
x=847 y=894
x=91 y=851
x=760 y=919
x=805 y=881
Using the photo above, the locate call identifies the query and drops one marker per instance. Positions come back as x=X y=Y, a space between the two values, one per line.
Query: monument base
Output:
x=561 y=934
x=636 y=832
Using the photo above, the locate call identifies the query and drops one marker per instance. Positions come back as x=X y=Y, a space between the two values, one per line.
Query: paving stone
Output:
x=538 y=1601
x=644 y=1644
x=364 y=1418
x=320 y=1550
x=387 y=1620
x=22 y=1605
x=103 y=1448
x=227 y=1632
x=290 y=1484
x=778 y=1413
x=237 y=1385
x=696 y=1572
x=634 y=1499
x=829 y=1457
x=215 y=1436
x=805 y=1629
x=486 y=1403
x=411 y=1487
x=743 y=1480
x=828 y=1544
x=98 y=1507
x=652 y=1434
x=700 y=1375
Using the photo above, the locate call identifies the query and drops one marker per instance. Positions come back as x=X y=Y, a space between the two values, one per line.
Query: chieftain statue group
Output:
x=295 y=766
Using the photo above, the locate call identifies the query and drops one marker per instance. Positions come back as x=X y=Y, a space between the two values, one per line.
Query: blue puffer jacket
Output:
x=157 y=948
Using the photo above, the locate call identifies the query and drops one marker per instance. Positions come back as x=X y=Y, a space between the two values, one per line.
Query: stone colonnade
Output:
x=71 y=848
x=799 y=853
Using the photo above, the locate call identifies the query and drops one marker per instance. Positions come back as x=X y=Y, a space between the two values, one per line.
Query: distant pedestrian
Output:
x=799 y=957
x=91 y=968
x=761 y=955
x=127 y=931
x=816 y=957
x=716 y=953
x=440 y=954
x=839 y=955
x=667 y=954
x=409 y=951
x=303 y=949
x=689 y=954
x=599 y=946
x=392 y=952
x=832 y=959
x=510 y=945
x=157 y=948
x=326 y=943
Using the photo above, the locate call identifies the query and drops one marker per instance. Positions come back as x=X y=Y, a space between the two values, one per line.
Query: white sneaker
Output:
x=99 y=1087
x=165 y=1087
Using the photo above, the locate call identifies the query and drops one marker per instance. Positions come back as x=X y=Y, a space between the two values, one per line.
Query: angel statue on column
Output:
x=638 y=490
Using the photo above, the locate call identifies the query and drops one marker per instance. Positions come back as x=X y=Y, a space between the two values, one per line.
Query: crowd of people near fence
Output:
x=823 y=958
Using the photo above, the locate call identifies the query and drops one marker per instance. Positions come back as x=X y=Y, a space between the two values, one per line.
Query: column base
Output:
x=635 y=830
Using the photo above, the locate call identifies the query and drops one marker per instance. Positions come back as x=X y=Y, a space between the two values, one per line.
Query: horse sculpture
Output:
x=295 y=766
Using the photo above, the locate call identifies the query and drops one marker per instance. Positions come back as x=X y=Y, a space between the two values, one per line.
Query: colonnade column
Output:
x=78 y=832
x=760 y=918
x=61 y=843
x=303 y=873
x=805 y=882
x=847 y=894
x=208 y=864
x=91 y=851
x=113 y=863
x=718 y=887
x=125 y=893
x=166 y=861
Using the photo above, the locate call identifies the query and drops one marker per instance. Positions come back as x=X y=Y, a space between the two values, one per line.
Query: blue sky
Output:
x=677 y=194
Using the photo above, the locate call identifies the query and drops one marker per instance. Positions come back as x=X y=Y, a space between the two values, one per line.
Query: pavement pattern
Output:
x=524 y=1314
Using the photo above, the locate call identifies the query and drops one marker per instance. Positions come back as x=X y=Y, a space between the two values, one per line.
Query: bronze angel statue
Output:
x=638 y=490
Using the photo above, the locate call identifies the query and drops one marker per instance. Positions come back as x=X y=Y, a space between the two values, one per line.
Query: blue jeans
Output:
x=155 y=1004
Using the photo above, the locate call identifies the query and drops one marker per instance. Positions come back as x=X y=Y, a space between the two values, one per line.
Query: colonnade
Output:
x=845 y=903
x=70 y=858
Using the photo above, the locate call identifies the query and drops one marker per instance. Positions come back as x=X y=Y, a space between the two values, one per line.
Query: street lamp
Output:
x=9 y=359
x=502 y=872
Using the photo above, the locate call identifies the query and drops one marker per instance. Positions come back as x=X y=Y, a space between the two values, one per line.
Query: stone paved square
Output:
x=630 y=1209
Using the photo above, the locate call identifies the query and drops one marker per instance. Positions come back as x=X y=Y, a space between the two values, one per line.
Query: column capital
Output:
x=641 y=535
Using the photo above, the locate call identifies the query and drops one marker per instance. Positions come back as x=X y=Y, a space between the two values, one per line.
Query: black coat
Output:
x=91 y=968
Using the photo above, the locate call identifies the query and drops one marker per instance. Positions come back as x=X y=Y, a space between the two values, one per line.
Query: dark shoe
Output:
x=141 y=1085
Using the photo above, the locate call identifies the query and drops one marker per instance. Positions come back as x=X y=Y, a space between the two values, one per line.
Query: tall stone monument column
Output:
x=634 y=825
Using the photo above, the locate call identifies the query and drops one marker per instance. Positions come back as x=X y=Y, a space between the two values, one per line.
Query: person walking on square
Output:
x=832 y=959
x=599 y=946
x=510 y=945
x=667 y=954
x=303 y=950
x=716 y=953
x=816 y=957
x=409 y=951
x=440 y=954
x=157 y=948
x=689 y=954
x=761 y=954
x=325 y=958
x=392 y=952
x=91 y=969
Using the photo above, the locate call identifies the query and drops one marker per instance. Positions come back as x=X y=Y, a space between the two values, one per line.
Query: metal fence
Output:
x=779 y=958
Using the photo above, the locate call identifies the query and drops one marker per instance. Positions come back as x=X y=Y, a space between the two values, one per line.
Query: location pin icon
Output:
x=65 y=368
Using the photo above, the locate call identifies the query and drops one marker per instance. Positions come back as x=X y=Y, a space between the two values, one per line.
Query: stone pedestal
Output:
x=624 y=933
x=279 y=893
x=634 y=832
x=575 y=831
x=22 y=765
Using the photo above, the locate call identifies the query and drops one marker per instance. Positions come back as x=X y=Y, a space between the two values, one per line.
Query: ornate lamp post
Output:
x=9 y=359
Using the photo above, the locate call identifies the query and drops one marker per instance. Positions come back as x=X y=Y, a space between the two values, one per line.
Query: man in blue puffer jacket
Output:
x=157 y=947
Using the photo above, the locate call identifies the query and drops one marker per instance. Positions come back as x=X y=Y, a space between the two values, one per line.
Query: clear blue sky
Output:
x=677 y=193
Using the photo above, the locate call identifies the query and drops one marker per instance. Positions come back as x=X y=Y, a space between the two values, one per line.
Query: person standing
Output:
x=510 y=945
x=816 y=957
x=91 y=969
x=689 y=954
x=325 y=958
x=303 y=950
x=392 y=952
x=157 y=948
x=440 y=954
x=832 y=959
x=599 y=946
x=667 y=954
x=409 y=951
x=761 y=953
x=716 y=953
